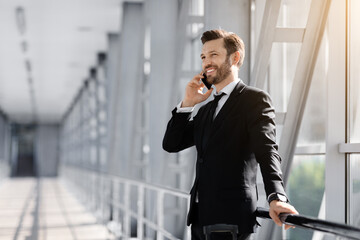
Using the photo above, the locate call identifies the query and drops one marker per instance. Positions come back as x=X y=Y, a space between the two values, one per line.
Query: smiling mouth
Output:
x=210 y=70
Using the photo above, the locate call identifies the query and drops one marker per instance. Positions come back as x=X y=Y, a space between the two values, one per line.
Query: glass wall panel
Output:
x=355 y=190
x=313 y=126
x=294 y=13
x=306 y=183
x=193 y=47
x=305 y=188
x=354 y=111
x=283 y=60
x=354 y=74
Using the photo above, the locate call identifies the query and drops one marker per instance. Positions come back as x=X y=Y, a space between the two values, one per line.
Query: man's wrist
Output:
x=180 y=109
x=277 y=196
x=186 y=104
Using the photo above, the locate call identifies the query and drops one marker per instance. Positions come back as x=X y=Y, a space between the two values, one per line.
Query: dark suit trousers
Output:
x=197 y=232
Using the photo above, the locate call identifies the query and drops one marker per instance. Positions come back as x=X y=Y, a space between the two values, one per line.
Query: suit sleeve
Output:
x=262 y=132
x=179 y=133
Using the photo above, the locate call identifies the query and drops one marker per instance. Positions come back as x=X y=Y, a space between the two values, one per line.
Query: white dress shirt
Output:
x=227 y=90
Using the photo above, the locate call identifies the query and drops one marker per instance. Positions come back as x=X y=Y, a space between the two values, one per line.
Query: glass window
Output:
x=281 y=72
x=193 y=47
x=294 y=13
x=354 y=71
x=305 y=188
x=306 y=184
x=354 y=110
x=313 y=126
x=355 y=190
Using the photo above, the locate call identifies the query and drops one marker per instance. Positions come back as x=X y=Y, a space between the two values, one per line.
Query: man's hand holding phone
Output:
x=194 y=92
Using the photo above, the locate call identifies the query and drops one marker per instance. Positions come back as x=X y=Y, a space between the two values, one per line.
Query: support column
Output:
x=113 y=54
x=163 y=54
x=130 y=78
x=335 y=170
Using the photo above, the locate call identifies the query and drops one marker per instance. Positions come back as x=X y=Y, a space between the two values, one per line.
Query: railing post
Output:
x=102 y=190
x=127 y=222
x=160 y=214
x=107 y=199
x=114 y=200
x=92 y=191
x=85 y=178
x=140 y=203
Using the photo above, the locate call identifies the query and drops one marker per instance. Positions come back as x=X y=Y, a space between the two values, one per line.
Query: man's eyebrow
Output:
x=212 y=51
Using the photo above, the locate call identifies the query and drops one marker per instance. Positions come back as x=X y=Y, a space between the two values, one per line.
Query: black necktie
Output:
x=214 y=106
x=209 y=119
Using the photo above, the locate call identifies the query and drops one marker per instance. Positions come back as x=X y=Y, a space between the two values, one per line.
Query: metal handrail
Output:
x=81 y=177
x=337 y=229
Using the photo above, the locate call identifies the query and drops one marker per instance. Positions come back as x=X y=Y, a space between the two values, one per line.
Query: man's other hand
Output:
x=277 y=207
x=194 y=92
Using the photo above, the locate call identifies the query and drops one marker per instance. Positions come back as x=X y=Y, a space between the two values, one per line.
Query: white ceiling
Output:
x=63 y=38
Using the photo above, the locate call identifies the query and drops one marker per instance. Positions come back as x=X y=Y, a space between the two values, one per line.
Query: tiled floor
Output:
x=43 y=209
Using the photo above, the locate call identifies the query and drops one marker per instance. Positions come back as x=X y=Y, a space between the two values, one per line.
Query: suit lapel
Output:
x=229 y=104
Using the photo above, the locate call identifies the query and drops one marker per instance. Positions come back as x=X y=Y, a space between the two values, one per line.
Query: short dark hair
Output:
x=232 y=42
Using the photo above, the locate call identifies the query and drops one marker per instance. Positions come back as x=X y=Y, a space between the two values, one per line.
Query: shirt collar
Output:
x=228 y=88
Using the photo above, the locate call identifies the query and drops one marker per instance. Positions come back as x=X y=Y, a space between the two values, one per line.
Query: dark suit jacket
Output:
x=242 y=137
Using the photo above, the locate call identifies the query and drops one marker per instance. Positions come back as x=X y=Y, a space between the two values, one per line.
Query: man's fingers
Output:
x=287 y=226
x=208 y=92
x=195 y=82
x=290 y=210
x=277 y=207
x=196 y=79
x=281 y=207
x=276 y=218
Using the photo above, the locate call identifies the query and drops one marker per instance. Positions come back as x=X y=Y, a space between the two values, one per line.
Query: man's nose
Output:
x=206 y=63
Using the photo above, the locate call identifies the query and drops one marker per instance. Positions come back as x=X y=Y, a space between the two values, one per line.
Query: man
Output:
x=233 y=135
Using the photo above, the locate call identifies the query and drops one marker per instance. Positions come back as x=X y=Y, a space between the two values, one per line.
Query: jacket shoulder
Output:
x=256 y=92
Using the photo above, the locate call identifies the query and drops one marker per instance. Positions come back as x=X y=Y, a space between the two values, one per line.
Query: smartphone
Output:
x=204 y=80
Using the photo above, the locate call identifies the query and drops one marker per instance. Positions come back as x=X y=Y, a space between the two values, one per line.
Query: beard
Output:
x=222 y=72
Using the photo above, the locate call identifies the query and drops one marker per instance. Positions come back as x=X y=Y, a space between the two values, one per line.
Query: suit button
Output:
x=201 y=160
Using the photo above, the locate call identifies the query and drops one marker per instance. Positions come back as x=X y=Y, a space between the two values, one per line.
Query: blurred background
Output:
x=87 y=88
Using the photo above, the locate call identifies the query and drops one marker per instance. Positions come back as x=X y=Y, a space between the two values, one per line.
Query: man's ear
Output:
x=235 y=58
